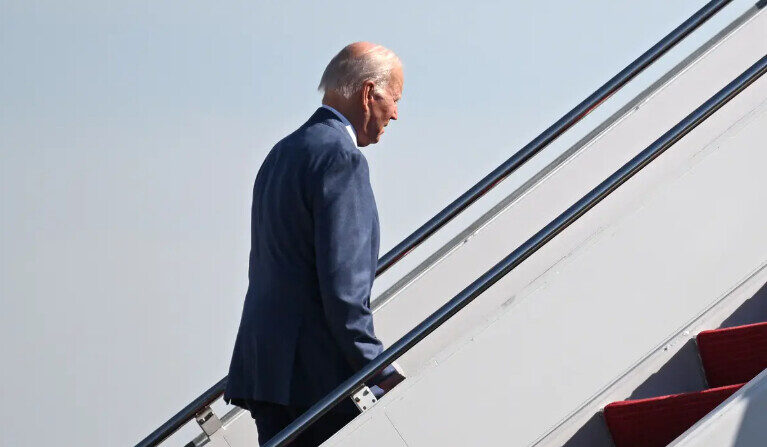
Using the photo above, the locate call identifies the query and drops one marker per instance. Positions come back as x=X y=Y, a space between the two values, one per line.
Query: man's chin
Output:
x=368 y=142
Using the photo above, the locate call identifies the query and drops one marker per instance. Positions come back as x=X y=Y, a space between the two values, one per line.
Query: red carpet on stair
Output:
x=657 y=421
x=733 y=355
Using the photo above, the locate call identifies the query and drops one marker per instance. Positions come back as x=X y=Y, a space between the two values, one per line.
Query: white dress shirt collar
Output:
x=347 y=124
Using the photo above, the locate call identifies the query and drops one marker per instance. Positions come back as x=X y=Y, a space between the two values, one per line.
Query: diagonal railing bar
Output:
x=549 y=135
x=522 y=252
x=483 y=186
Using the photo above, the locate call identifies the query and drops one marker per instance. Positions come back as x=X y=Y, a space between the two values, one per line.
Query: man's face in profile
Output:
x=382 y=104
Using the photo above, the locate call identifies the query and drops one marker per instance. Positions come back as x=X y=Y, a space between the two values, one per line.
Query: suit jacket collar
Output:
x=324 y=115
x=347 y=125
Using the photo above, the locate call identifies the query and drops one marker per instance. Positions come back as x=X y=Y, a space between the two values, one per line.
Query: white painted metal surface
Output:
x=740 y=421
x=529 y=361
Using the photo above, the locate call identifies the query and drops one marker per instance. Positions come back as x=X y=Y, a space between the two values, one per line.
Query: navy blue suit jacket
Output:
x=306 y=324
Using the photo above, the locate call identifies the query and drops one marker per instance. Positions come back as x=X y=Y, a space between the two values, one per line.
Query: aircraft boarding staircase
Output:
x=583 y=334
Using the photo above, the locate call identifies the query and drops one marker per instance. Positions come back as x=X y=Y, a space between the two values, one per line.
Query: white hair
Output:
x=347 y=72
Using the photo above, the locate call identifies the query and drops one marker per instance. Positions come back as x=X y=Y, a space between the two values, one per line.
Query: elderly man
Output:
x=306 y=324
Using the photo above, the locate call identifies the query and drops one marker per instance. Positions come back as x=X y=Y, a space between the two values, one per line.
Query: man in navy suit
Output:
x=306 y=324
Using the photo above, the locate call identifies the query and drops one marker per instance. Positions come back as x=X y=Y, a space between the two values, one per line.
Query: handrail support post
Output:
x=208 y=421
x=363 y=398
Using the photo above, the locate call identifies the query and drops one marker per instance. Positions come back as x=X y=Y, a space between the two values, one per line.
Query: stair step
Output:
x=733 y=355
x=657 y=421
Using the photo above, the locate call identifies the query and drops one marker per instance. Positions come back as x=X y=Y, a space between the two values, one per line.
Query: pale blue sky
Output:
x=130 y=134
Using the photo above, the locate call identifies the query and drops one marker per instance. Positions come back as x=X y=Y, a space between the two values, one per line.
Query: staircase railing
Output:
x=482 y=187
x=522 y=252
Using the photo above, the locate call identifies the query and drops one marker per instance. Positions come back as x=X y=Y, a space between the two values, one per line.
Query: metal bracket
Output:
x=208 y=421
x=364 y=399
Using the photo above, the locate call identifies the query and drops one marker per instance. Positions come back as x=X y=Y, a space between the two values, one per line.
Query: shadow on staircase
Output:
x=682 y=373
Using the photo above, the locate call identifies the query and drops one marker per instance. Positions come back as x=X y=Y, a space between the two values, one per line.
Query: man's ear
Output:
x=367 y=95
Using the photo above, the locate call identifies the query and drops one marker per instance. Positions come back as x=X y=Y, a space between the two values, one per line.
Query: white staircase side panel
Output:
x=588 y=166
x=740 y=421
x=605 y=293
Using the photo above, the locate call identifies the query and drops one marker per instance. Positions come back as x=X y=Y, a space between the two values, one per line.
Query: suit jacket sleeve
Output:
x=344 y=212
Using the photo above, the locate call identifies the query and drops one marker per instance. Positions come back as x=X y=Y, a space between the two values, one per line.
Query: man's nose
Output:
x=394 y=114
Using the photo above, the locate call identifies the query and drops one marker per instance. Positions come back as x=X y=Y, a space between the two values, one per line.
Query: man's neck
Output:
x=349 y=128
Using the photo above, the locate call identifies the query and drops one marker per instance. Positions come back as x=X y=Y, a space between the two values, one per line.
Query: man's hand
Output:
x=390 y=377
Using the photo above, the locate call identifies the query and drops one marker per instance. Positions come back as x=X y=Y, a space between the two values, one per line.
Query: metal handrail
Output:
x=485 y=185
x=549 y=135
x=522 y=252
